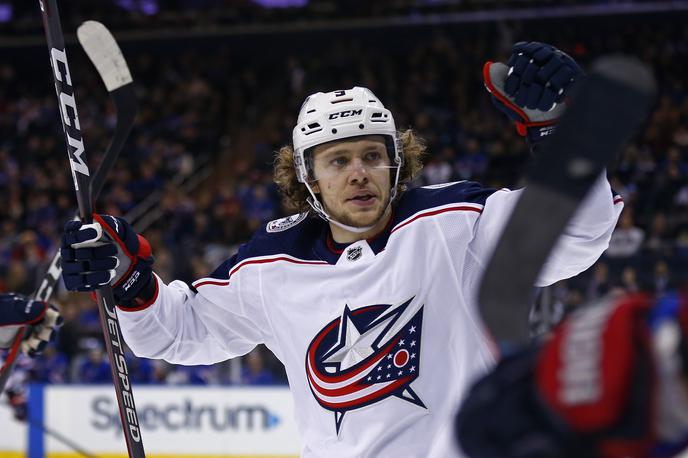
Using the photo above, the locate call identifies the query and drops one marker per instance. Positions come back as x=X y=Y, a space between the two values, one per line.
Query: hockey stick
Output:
x=114 y=72
x=607 y=108
x=82 y=186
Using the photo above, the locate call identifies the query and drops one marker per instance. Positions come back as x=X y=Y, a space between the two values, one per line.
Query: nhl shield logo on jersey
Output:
x=354 y=253
x=282 y=224
x=366 y=355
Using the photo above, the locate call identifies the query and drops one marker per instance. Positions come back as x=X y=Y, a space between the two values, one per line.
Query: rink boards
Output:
x=176 y=422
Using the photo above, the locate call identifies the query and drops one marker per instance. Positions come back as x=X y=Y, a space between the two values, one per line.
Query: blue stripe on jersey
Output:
x=307 y=240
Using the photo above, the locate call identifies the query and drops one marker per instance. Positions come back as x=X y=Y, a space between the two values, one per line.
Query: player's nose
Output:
x=358 y=171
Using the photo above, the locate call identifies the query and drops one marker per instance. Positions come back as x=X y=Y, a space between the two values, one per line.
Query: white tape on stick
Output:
x=105 y=54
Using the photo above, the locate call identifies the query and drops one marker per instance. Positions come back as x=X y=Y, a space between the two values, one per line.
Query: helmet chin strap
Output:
x=318 y=208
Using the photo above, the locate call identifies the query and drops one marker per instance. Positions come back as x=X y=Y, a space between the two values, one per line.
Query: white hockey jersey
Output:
x=380 y=338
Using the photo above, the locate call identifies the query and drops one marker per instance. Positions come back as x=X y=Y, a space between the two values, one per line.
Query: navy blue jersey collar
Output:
x=329 y=250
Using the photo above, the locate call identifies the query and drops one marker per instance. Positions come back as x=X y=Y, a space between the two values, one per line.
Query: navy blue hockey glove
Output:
x=588 y=391
x=43 y=321
x=19 y=404
x=532 y=87
x=109 y=251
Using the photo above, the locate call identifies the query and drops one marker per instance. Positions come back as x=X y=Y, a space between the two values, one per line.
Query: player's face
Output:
x=353 y=179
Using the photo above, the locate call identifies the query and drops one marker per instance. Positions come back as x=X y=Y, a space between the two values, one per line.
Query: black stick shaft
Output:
x=81 y=175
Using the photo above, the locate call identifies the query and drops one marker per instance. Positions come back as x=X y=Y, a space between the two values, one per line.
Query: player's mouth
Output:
x=363 y=199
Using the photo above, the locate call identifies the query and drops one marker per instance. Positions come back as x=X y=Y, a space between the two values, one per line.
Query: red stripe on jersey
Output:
x=216 y=283
x=349 y=375
x=256 y=261
x=437 y=212
x=338 y=392
x=377 y=394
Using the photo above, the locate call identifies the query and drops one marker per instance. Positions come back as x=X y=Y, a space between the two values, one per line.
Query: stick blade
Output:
x=104 y=52
x=607 y=108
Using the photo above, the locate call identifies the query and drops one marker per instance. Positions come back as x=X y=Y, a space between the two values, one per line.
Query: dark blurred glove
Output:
x=531 y=88
x=18 y=402
x=587 y=392
x=502 y=416
x=108 y=251
x=17 y=311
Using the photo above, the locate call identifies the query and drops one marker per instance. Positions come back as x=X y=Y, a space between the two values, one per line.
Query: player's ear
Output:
x=315 y=187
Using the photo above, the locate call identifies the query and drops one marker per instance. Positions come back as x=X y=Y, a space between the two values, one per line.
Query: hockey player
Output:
x=16 y=312
x=368 y=295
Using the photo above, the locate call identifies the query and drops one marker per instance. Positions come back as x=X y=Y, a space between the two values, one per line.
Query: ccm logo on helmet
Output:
x=346 y=114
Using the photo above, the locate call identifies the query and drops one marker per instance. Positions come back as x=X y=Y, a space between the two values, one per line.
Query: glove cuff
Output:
x=537 y=132
x=145 y=296
x=134 y=283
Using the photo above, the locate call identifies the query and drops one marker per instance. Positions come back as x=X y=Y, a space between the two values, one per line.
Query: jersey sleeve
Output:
x=215 y=319
x=584 y=240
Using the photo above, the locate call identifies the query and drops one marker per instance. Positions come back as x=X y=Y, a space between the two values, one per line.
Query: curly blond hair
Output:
x=294 y=194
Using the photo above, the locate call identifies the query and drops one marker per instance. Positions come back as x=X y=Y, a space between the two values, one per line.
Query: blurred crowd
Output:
x=232 y=106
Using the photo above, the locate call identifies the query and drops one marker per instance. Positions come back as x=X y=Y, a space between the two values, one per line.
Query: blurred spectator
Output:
x=600 y=283
x=94 y=367
x=626 y=238
x=629 y=280
x=662 y=277
x=254 y=371
x=140 y=369
x=659 y=239
x=52 y=367
x=472 y=164
x=192 y=375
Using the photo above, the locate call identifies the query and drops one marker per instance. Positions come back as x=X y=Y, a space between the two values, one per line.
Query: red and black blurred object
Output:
x=591 y=389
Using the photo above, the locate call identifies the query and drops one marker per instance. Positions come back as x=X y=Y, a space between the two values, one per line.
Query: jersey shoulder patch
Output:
x=275 y=239
x=282 y=224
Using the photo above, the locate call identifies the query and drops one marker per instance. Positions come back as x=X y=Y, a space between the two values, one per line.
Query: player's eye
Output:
x=373 y=156
x=339 y=161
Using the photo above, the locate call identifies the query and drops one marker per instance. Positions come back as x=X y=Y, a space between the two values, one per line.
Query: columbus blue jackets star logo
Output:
x=365 y=356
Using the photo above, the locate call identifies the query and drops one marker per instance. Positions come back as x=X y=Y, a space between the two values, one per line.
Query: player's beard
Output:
x=349 y=219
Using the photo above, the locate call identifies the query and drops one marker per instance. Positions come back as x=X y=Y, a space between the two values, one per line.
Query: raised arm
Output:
x=172 y=322
x=532 y=89
x=582 y=243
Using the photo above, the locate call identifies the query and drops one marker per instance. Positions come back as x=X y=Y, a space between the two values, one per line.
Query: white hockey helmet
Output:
x=337 y=115
x=330 y=116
